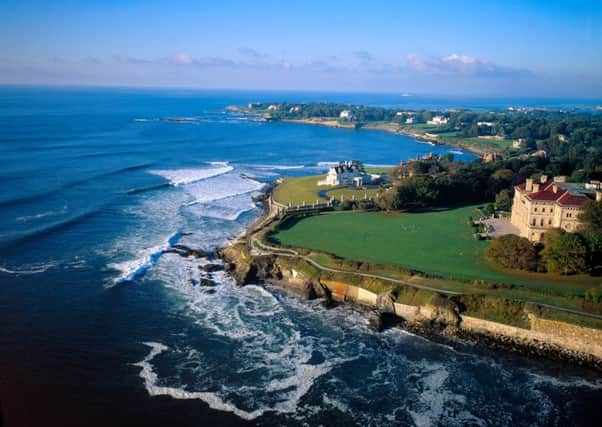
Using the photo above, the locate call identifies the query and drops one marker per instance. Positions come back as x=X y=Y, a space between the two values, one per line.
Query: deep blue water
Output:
x=96 y=328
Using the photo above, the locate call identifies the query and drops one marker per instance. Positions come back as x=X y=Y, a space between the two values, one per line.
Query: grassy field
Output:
x=299 y=189
x=438 y=243
x=305 y=189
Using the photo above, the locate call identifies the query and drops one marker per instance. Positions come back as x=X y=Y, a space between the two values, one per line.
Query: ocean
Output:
x=99 y=327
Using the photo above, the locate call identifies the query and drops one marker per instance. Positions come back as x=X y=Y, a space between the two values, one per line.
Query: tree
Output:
x=503 y=200
x=593 y=240
x=511 y=251
x=591 y=216
x=564 y=253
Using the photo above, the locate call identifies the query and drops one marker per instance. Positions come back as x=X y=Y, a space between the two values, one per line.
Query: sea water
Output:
x=99 y=326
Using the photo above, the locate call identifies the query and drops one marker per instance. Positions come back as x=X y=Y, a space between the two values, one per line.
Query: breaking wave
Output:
x=187 y=176
x=29 y=269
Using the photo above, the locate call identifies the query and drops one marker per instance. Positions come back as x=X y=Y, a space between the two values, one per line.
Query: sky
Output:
x=513 y=48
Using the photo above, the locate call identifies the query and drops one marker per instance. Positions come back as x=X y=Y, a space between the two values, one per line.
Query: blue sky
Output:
x=531 y=48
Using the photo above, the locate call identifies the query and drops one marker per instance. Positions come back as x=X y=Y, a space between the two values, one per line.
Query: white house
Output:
x=346 y=114
x=410 y=120
x=345 y=173
x=294 y=109
x=272 y=107
x=487 y=124
x=438 y=120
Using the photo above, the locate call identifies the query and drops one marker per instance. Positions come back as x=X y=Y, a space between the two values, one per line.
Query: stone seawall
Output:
x=543 y=338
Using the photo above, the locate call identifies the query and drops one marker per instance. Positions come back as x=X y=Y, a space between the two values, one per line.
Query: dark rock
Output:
x=210 y=268
x=207 y=282
x=375 y=321
x=185 y=251
x=378 y=321
x=228 y=266
x=385 y=302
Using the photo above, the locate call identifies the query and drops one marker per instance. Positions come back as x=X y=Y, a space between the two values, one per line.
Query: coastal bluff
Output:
x=422 y=312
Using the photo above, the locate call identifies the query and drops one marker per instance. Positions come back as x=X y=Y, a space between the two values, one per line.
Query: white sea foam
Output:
x=187 y=176
x=29 y=269
x=327 y=164
x=228 y=208
x=42 y=215
x=574 y=382
x=459 y=153
x=273 y=368
x=226 y=185
x=434 y=397
x=214 y=401
x=279 y=167
x=133 y=268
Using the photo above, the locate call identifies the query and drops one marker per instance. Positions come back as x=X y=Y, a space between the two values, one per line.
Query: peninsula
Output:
x=502 y=250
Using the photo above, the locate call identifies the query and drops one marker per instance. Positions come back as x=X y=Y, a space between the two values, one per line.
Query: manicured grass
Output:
x=300 y=189
x=436 y=242
x=305 y=189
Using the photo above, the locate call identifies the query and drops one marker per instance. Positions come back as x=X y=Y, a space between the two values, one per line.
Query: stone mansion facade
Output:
x=345 y=173
x=545 y=204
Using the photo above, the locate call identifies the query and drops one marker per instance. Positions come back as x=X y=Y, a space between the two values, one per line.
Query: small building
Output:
x=410 y=120
x=489 y=157
x=346 y=114
x=438 y=121
x=345 y=173
x=273 y=107
x=294 y=109
x=545 y=204
x=485 y=124
x=518 y=143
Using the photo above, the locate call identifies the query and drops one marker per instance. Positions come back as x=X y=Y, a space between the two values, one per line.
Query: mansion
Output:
x=545 y=204
x=346 y=173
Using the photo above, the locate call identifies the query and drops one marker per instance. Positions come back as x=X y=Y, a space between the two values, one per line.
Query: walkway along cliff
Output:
x=485 y=319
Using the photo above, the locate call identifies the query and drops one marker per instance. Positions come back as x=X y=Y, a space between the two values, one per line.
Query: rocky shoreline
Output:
x=439 y=320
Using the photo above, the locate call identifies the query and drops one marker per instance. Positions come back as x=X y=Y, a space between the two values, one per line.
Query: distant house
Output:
x=346 y=173
x=294 y=109
x=487 y=124
x=540 y=153
x=346 y=114
x=438 y=121
x=273 y=107
x=410 y=120
x=489 y=157
x=518 y=143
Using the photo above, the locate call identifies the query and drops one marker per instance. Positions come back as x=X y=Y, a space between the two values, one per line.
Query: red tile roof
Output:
x=561 y=196
x=569 y=199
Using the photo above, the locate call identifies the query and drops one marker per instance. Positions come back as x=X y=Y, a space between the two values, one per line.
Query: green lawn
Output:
x=299 y=189
x=436 y=242
x=305 y=189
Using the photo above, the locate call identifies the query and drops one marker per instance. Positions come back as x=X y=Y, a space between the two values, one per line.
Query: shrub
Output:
x=512 y=251
x=564 y=253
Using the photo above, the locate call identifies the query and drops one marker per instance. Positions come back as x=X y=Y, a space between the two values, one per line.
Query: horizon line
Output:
x=400 y=93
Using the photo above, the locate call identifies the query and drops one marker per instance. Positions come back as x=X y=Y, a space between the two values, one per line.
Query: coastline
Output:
x=438 y=319
x=384 y=127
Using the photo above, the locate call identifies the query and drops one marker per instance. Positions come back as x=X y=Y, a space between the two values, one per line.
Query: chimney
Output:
x=543 y=179
x=536 y=187
x=529 y=185
x=555 y=188
x=598 y=196
x=561 y=179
